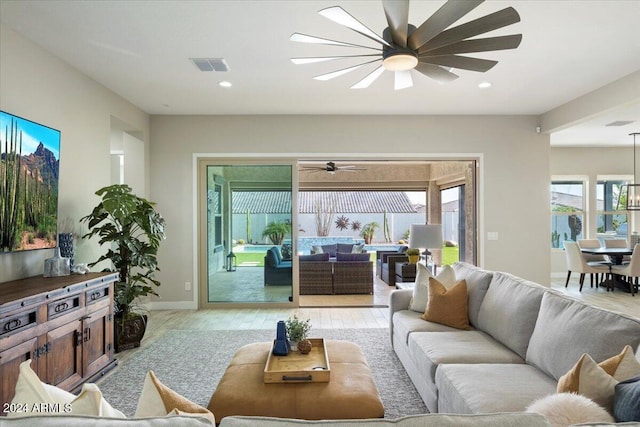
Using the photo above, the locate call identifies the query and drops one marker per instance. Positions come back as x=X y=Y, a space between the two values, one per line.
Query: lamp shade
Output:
x=428 y=236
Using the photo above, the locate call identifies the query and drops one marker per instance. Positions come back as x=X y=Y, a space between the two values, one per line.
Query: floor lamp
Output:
x=426 y=236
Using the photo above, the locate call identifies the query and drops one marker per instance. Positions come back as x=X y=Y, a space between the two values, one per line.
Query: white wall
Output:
x=514 y=194
x=39 y=87
x=591 y=163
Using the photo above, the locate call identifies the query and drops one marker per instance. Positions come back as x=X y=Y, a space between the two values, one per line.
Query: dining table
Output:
x=616 y=255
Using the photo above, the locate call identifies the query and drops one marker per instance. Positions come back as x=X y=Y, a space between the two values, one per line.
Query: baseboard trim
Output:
x=172 y=305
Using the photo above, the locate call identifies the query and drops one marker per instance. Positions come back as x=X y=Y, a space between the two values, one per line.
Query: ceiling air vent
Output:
x=620 y=123
x=210 y=64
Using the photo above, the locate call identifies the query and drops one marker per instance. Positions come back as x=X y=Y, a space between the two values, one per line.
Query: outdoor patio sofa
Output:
x=333 y=249
x=277 y=271
x=346 y=274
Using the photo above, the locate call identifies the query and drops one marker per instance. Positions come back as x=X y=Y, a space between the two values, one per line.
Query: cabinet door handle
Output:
x=61 y=307
x=87 y=334
x=12 y=324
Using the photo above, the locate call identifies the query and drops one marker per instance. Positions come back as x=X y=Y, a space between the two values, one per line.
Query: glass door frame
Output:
x=200 y=255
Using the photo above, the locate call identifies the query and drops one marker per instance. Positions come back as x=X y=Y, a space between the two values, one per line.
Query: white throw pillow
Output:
x=420 y=297
x=317 y=249
x=35 y=396
x=357 y=249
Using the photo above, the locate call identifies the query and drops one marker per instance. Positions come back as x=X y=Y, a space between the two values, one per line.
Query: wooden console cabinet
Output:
x=63 y=324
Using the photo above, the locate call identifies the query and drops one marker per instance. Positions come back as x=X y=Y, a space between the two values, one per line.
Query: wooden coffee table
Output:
x=351 y=392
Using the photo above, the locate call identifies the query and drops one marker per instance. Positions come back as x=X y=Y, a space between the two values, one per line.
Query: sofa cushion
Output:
x=446 y=276
x=406 y=321
x=344 y=247
x=340 y=256
x=426 y=420
x=430 y=350
x=331 y=249
x=447 y=306
x=314 y=257
x=566 y=329
x=510 y=309
x=478 y=281
x=487 y=388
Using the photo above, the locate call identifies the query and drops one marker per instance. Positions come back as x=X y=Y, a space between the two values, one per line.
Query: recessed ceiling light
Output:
x=225 y=83
x=484 y=85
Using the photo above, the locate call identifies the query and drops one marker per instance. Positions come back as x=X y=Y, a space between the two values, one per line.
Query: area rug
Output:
x=192 y=363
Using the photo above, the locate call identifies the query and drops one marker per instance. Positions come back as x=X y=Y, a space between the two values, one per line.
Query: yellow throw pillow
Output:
x=447 y=306
x=157 y=399
x=598 y=381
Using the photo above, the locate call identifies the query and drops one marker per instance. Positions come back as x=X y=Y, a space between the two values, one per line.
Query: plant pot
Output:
x=413 y=259
x=129 y=332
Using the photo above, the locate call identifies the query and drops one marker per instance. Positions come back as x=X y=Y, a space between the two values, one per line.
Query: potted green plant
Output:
x=297 y=330
x=368 y=231
x=277 y=231
x=413 y=254
x=132 y=230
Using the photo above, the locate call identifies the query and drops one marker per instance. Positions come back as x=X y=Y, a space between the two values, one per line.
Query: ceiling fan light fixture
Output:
x=400 y=61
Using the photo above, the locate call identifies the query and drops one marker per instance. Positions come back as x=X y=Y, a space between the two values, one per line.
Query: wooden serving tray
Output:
x=299 y=368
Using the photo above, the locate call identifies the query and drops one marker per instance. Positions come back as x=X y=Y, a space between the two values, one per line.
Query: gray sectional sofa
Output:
x=524 y=337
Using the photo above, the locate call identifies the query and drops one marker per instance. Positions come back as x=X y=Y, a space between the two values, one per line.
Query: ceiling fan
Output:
x=332 y=168
x=432 y=49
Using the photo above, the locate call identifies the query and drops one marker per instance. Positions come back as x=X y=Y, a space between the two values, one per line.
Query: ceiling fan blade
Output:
x=402 y=80
x=499 y=19
x=369 y=79
x=479 y=45
x=304 y=38
x=435 y=72
x=342 y=17
x=397 y=13
x=460 y=62
x=449 y=13
x=334 y=74
x=313 y=60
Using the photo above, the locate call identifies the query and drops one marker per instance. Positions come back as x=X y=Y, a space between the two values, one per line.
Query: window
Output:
x=611 y=217
x=567 y=211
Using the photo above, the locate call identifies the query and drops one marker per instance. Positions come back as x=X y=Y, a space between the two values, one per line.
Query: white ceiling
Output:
x=141 y=50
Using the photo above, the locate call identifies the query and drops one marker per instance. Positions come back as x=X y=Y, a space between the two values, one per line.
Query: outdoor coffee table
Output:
x=351 y=392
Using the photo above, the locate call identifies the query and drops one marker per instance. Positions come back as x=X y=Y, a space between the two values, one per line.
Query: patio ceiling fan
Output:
x=332 y=168
x=432 y=49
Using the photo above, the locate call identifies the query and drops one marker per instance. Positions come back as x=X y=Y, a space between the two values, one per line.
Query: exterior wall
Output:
x=40 y=87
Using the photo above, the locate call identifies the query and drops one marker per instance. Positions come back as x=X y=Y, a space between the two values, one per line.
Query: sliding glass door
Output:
x=247 y=219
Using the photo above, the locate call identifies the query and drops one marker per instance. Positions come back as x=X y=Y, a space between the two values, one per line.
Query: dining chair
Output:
x=591 y=244
x=618 y=243
x=631 y=270
x=576 y=263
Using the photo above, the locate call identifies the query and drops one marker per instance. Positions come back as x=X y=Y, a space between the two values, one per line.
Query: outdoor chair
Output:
x=353 y=277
